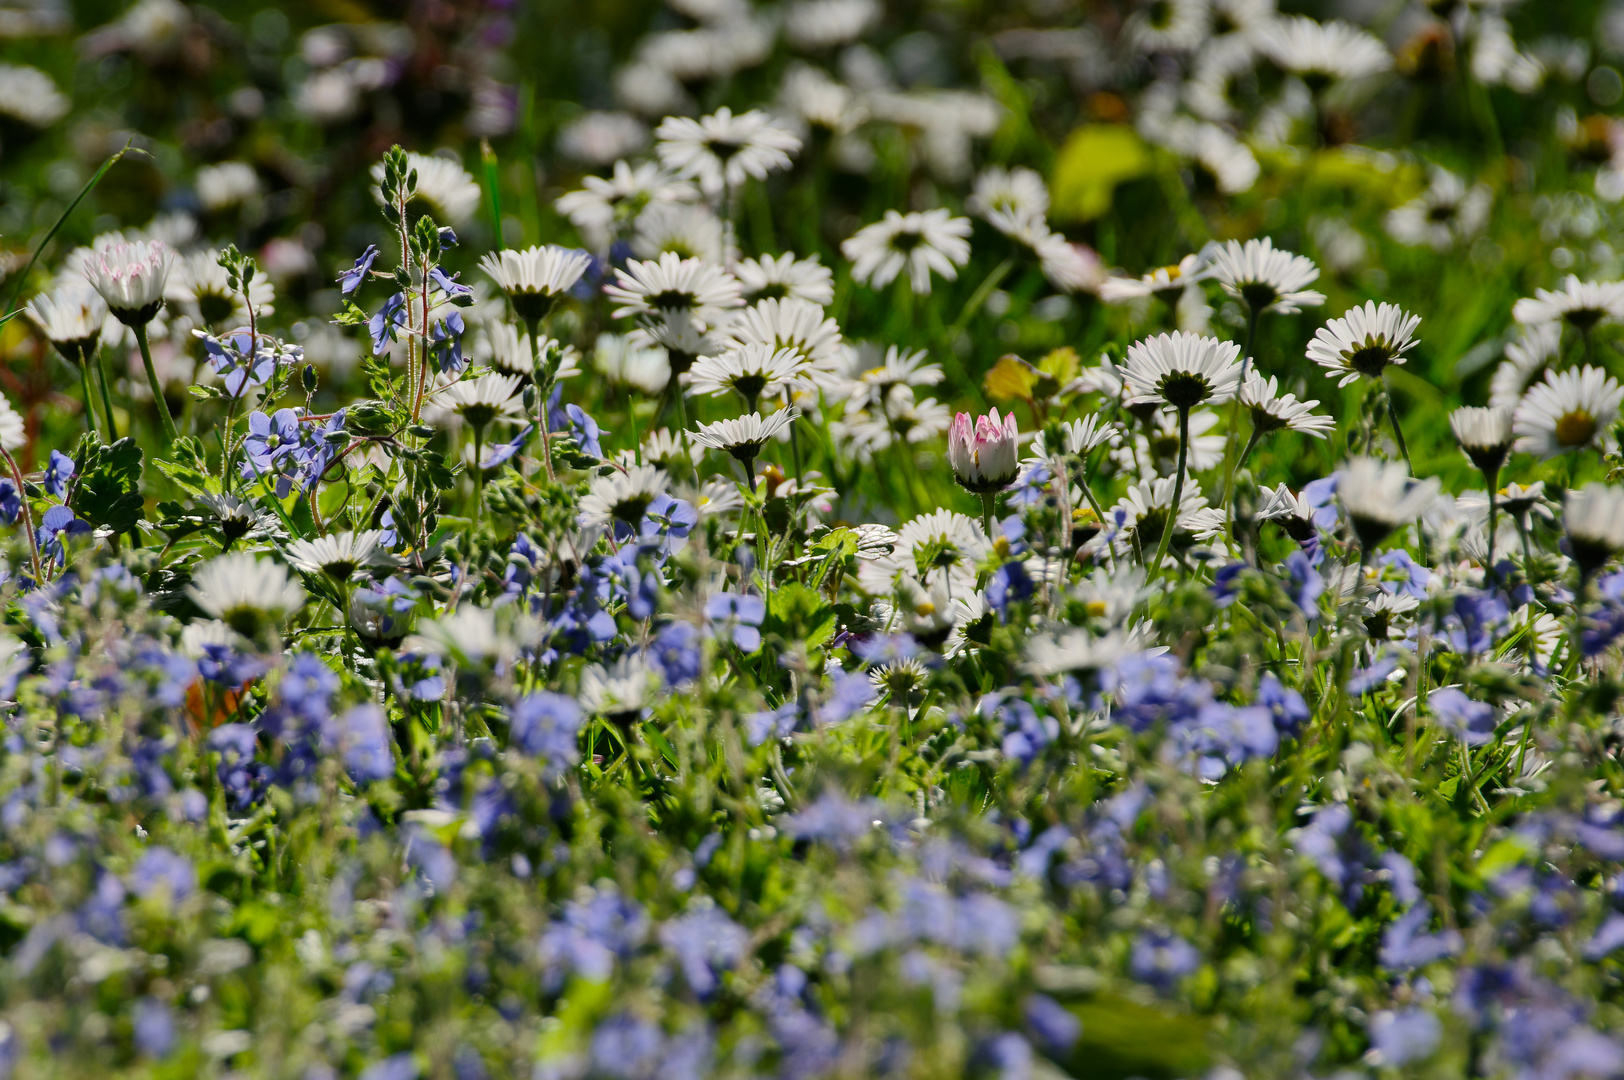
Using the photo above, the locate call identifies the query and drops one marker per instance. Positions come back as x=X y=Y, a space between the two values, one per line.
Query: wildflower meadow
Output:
x=670 y=539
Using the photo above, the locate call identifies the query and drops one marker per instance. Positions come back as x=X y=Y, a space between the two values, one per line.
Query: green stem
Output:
x=103 y=379
x=84 y=388
x=543 y=390
x=1252 y=317
x=977 y=298
x=168 y=422
x=479 y=474
x=1398 y=432
x=987 y=498
x=1178 y=489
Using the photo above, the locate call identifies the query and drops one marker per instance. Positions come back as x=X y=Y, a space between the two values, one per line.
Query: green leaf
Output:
x=1095 y=159
x=795 y=611
x=109 y=488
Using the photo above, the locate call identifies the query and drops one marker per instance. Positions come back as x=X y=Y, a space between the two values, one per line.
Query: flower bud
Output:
x=984 y=458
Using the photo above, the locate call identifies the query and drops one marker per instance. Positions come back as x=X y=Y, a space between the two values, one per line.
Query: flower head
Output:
x=1568 y=411
x=245 y=592
x=1379 y=496
x=450 y=191
x=71 y=318
x=1182 y=370
x=1594 y=517
x=1321 y=52
x=483 y=399
x=1363 y=342
x=984 y=457
x=700 y=290
x=930 y=242
x=1484 y=435
x=131 y=278
x=536 y=277
x=1580 y=303
x=1272 y=410
x=1266 y=277
x=623 y=496
x=339 y=555
x=722 y=150
x=751 y=371
x=744 y=436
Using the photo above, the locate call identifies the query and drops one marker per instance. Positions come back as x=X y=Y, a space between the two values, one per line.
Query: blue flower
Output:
x=849 y=693
x=241 y=777
x=1149 y=690
x=1304 y=584
x=741 y=615
x=270 y=439
x=667 y=522
x=584 y=430
x=351 y=279
x=1402 y=574
x=1364 y=680
x=704 y=942
x=11 y=503
x=160 y=871
x=1052 y=1023
x=1473 y=722
x=592 y=935
x=58 y=523
x=402 y=1066
x=1286 y=705
x=448 y=284
x=153 y=1026
x=446 y=343
x=885 y=648
x=501 y=453
x=362 y=736
x=1008 y=584
x=1321 y=494
x=58 y=473
x=387 y=323
x=1226 y=583
x=777 y=723
x=1473 y=624
x=1403 y=1037
x=1161 y=958
x=675 y=652
x=546 y=725
x=1406 y=944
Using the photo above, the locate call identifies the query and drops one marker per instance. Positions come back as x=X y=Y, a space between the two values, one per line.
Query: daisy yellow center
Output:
x=1575 y=428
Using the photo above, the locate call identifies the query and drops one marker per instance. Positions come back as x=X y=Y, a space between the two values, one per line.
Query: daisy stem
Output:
x=987 y=498
x=168 y=422
x=1178 y=488
x=84 y=388
x=1392 y=417
x=1252 y=316
x=28 y=515
x=1099 y=511
x=107 y=401
x=541 y=396
x=1494 y=505
x=479 y=474
x=1246 y=452
x=977 y=298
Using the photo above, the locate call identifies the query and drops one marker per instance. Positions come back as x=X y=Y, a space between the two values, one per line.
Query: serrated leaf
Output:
x=109 y=488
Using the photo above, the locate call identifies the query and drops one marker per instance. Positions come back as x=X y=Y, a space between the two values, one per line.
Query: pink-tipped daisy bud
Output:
x=984 y=457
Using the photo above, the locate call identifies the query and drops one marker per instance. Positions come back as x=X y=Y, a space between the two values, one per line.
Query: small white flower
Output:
x=1322 y=52
x=627 y=686
x=1069 y=267
x=598 y=138
x=786 y=278
x=704 y=291
x=1121 y=290
x=1526 y=360
x=621 y=360
x=1146 y=507
x=1182 y=370
x=71 y=317
x=30 y=96
x=810 y=95
x=822 y=24
x=511 y=353
x=244 y=591
x=1568 y=411
x=984 y=453
x=1594 y=518
x=1266 y=277
x=13 y=434
x=1379 y=496
x=622 y=496
x=1484 y=434
x=1272 y=410
x=665 y=448
x=231 y=183
x=688 y=230
x=744 y=436
x=534 y=278
x=1078 y=438
x=1013 y=201
x=1444 y=215
x=1155 y=451
x=932 y=241
x=604 y=204
x=1169 y=25
x=723 y=150
x=482 y=399
x=450 y=190
x=1292 y=512
x=339 y=555
x=1580 y=303
x=200 y=288
x=131 y=278
x=1364 y=342
x=752 y=371
x=799 y=325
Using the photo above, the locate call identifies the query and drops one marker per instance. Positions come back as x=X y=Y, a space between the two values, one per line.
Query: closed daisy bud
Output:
x=1594 y=517
x=985 y=456
x=1484 y=435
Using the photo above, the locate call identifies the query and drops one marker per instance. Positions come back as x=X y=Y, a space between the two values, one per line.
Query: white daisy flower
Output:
x=744 y=436
x=1121 y=290
x=622 y=496
x=245 y=591
x=1013 y=201
x=786 y=278
x=1227 y=165
x=536 y=277
x=622 y=689
x=131 y=278
x=716 y=497
x=482 y=399
x=814 y=25
x=1069 y=267
x=339 y=555
x=933 y=241
x=30 y=96
x=1078 y=438
x=788 y=324
x=604 y=204
x=1379 y=496
x=1582 y=304
x=71 y=317
x=1322 y=52
x=1445 y=215
x=941 y=540
x=511 y=353
x=200 y=288
x=1182 y=370
x=688 y=230
x=623 y=361
x=1147 y=505
x=597 y=138
x=1364 y=342
x=811 y=96
x=1594 y=517
x=1222 y=63
x=449 y=189
x=13 y=434
x=1292 y=512
x=897 y=367
x=751 y=371
x=1266 y=277
x=230 y=183
x=1155 y=451
x=1169 y=25
x=1272 y=410
x=238 y=517
x=703 y=290
x=1527 y=357
x=666 y=448
x=1567 y=411
x=862 y=433
x=722 y=150
x=1485 y=435
x=683 y=337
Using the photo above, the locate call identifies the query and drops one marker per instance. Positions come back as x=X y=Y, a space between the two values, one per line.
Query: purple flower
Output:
x=1407 y=945
x=1402 y=574
x=1608 y=937
x=1471 y=626
x=1403 y=1037
x=387 y=322
x=704 y=942
x=591 y=936
x=11 y=504
x=741 y=615
x=1286 y=705
x=832 y=818
x=1009 y=584
x=402 y=1066
x=1304 y=584
x=627 y=1047
x=362 y=736
x=448 y=284
x=1364 y=680
x=1161 y=958
x=545 y=725
x=885 y=648
x=1010 y=1055
x=242 y=778
x=59 y=522
x=270 y=439
x=777 y=723
x=1473 y=722
x=675 y=652
x=153 y=1026
x=1052 y=1023
x=667 y=522
x=446 y=343
x=1320 y=495
x=1149 y=690
x=58 y=473
x=308 y=686
x=1226 y=583
x=584 y=430
x=161 y=870
x=850 y=692
x=351 y=279
x=502 y=453
x=1222 y=736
